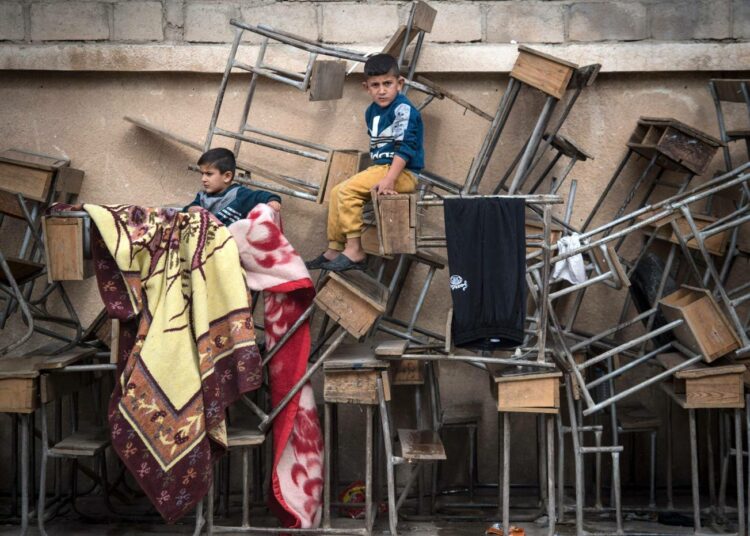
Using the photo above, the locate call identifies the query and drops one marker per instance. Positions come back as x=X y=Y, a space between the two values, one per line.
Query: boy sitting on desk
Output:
x=395 y=128
x=226 y=200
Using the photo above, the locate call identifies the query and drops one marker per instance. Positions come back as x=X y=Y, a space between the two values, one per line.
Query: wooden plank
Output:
x=397 y=234
x=421 y=445
x=529 y=392
x=526 y=377
x=424 y=16
x=704 y=371
x=31 y=159
x=345 y=308
x=244 y=437
x=394 y=44
x=725 y=391
x=689 y=151
x=444 y=93
x=9 y=205
x=730 y=90
x=342 y=165
x=542 y=71
x=636 y=417
x=395 y=347
x=351 y=387
x=82 y=443
x=327 y=80
x=386 y=385
x=32 y=183
x=551 y=411
x=407 y=372
x=354 y=356
x=18 y=395
x=364 y=286
x=63 y=246
x=706 y=330
x=68 y=183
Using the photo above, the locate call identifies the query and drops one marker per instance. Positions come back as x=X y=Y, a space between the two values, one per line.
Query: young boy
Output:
x=395 y=128
x=224 y=199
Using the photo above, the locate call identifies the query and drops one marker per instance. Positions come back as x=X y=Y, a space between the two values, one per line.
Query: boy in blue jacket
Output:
x=224 y=199
x=396 y=132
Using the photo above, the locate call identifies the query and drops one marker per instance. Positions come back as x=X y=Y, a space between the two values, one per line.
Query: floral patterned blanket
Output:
x=187 y=344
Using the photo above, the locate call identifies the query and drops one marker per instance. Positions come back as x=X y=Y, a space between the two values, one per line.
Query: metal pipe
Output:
x=302 y=381
x=270 y=145
x=533 y=145
x=288 y=335
x=646 y=383
x=627 y=366
x=222 y=89
x=297 y=42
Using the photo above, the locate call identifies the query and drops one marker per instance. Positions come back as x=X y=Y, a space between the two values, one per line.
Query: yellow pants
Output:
x=347 y=198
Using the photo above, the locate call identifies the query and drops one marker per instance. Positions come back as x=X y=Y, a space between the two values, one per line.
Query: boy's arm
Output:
x=248 y=199
x=387 y=184
x=195 y=203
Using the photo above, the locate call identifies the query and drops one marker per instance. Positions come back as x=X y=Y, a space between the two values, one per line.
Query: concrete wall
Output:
x=51 y=103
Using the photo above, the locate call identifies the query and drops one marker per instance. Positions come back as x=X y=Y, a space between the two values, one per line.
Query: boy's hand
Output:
x=195 y=209
x=275 y=205
x=385 y=187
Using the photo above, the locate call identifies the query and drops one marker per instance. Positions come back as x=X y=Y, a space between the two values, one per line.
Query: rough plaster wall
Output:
x=80 y=115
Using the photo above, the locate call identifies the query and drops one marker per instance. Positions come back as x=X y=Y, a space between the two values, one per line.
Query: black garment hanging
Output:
x=486 y=239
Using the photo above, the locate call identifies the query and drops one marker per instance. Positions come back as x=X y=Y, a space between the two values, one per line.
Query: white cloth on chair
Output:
x=571 y=269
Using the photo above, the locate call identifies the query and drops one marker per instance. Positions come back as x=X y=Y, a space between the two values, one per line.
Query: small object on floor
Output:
x=497 y=530
x=353 y=494
x=316 y=263
x=674 y=519
x=343 y=263
x=494 y=530
x=541 y=521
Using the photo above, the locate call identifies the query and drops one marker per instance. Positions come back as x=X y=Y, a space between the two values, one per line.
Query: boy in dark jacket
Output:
x=226 y=200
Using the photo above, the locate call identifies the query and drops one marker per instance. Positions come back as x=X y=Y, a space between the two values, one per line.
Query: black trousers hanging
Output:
x=486 y=241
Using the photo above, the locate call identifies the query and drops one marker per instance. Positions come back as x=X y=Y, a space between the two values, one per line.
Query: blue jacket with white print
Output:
x=396 y=130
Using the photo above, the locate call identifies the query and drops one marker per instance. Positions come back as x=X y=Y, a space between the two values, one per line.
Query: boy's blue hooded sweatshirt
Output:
x=396 y=130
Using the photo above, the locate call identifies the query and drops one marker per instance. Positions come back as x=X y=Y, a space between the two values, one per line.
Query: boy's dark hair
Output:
x=381 y=64
x=220 y=158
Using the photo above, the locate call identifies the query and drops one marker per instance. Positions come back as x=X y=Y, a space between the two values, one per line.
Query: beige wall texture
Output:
x=51 y=104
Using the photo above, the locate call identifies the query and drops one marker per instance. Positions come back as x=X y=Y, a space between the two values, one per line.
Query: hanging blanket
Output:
x=273 y=266
x=187 y=345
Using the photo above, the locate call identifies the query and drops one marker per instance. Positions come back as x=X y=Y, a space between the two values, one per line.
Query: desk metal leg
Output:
x=560 y=469
x=369 y=517
x=740 y=479
x=24 y=473
x=550 y=474
x=694 y=472
x=668 y=431
x=506 y=473
x=327 y=466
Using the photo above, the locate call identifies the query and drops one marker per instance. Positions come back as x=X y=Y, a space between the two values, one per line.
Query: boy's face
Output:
x=383 y=88
x=214 y=181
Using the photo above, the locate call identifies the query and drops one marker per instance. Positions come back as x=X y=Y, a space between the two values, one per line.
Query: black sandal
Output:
x=316 y=263
x=343 y=263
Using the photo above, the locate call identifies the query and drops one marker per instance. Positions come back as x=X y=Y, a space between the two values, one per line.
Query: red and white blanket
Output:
x=274 y=267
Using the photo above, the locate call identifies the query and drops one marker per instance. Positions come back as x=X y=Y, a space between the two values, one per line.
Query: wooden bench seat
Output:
x=353 y=299
x=421 y=445
x=636 y=416
x=244 y=437
x=82 y=443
